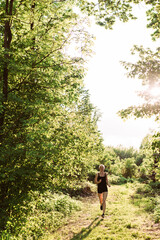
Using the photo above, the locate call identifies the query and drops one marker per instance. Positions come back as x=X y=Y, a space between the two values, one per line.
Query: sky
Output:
x=109 y=88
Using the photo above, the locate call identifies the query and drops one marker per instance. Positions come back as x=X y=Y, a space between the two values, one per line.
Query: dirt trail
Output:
x=122 y=221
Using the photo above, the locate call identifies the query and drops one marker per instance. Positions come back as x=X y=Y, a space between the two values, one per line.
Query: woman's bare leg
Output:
x=100 y=195
x=105 y=194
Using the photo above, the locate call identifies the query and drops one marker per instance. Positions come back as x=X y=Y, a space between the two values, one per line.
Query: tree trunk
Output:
x=7 y=44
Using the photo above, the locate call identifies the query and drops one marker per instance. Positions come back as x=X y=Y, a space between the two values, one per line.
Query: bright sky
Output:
x=109 y=88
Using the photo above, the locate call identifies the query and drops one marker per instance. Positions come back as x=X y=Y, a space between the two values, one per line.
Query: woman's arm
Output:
x=107 y=180
x=95 y=180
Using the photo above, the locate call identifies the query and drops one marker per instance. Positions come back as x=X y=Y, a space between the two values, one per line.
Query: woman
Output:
x=102 y=181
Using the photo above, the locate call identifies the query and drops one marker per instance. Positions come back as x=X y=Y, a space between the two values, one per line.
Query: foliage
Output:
x=129 y=168
x=48 y=127
x=148 y=169
x=146 y=166
x=121 y=162
x=156 y=151
x=146 y=196
x=153 y=16
x=130 y=163
x=107 y=12
x=117 y=179
x=108 y=158
x=123 y=152
x=157 y=211
x=47 y=212
x=148 y=70
x=116 y=168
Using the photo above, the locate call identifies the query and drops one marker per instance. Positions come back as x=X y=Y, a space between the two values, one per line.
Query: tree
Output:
x=107 y=12
x=129 y=168
x=121 y=161
x=123 y=152
x=40 y=83
x=148 y=70
x=146 y=166
x=79 y=144
x=153 y=15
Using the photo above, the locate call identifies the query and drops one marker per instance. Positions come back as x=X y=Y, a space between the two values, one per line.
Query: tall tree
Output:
x=39 y=84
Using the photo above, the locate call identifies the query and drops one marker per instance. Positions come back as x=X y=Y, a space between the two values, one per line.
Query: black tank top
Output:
x=102 y=186
x=103 y=179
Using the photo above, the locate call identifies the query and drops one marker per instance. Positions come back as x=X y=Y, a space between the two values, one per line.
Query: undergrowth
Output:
x=42 y=214
x=146 y=197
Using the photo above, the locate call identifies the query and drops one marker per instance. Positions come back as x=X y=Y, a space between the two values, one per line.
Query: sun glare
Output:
x=155 y=91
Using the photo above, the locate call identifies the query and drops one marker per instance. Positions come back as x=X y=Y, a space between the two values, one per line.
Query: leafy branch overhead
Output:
x=148 y=70
x=107 y=12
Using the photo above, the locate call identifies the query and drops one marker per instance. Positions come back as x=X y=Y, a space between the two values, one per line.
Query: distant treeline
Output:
x=133 y=164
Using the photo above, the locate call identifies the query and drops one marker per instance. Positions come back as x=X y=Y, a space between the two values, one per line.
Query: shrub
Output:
x=116 y=168
x=91 y=175
x=146 y=197
x=117 y=179
x=65 y=205
x=129 y=169
x=142 y=172
x=144 y=188
x=44 y=211
x=149 y=204
x=155 y=185
x=130 y=180
x=157 y=211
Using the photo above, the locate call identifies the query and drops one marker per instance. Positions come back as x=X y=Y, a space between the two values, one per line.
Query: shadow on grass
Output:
x=86 y=231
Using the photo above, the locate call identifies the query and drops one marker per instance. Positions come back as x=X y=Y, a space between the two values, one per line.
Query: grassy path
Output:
x=123 y=220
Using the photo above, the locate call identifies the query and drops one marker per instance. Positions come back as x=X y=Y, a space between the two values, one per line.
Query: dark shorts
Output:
x=102 y=189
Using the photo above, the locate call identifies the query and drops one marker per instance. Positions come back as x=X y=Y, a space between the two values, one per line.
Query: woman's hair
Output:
x=101 y=165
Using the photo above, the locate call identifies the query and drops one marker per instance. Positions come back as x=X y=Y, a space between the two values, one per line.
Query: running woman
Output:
x=101 y=180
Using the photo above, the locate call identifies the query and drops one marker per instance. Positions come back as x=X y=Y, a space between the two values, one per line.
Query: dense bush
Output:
x=157 y=210
x=91 y=175
x=116 y=168
x=45 y=212
x=145 y=188
x=113 y=179
x=146 y=196
x=155 y=186
x=121 y=161
x=129 y=169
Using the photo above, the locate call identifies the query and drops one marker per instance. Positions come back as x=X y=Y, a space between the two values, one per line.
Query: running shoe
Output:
x=101 y=207
x=103 y=215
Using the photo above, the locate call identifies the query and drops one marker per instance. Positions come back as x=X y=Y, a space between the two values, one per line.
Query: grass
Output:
x=133 y=212
x=123 y=220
